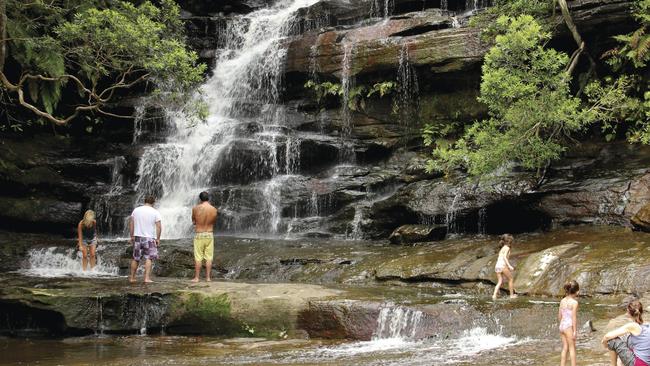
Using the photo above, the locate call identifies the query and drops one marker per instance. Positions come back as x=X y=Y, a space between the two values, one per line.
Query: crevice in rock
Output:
x=23 y=321
x=422 y=29
x=427 y=279
x=515 y=216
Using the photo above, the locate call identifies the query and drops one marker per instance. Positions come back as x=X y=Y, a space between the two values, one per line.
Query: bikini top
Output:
x=88 y=232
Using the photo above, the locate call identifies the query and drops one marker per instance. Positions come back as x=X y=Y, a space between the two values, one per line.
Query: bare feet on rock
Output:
x=195 y=280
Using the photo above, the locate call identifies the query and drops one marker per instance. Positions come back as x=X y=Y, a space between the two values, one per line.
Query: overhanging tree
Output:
x=532 y=113
x=98 y=50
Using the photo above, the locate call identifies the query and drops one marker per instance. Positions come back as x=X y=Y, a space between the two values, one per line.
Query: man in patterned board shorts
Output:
x=145 y=228
x=204 y=216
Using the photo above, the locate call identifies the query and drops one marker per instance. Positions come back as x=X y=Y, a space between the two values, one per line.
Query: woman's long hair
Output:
x=635 y=309
x=89 y=219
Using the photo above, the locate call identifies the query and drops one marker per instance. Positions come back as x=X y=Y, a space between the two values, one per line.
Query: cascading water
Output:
x=482 y=221
x=244 y=118
x=407 y=88
x=450 y=216
x=381 y=8
x=66 y=262
x=347 y=83
x=397 y=322
x=103 y=204
x=138 y=118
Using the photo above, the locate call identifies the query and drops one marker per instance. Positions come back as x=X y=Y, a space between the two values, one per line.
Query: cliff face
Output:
x=433 y=58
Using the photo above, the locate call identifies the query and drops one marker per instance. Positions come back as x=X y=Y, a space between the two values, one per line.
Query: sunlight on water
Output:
x=394 y=351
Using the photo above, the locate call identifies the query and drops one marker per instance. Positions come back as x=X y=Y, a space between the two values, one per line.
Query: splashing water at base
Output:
x=65 y=262
x=393 y=351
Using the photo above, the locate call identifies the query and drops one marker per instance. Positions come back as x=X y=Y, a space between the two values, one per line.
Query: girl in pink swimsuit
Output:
x=567 y=315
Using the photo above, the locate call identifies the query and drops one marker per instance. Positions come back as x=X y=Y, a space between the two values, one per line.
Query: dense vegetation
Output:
x=61 y=59
x=537 y=106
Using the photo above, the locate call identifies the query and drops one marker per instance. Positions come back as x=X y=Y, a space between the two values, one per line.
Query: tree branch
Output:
x=113 y=114
x=568 y=20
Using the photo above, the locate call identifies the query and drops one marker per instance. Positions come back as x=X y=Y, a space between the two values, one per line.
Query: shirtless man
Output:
x=204 y=216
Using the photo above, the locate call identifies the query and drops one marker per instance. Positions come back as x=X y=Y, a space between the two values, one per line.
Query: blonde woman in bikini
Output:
x=568 y=318
x=503 y=267
x=87 y=239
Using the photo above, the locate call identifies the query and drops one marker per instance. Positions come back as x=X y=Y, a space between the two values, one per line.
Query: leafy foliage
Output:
x=633 y=56
x=636 y=45
x=532 y=112
x=356 y=94
x=538 y=9
x=104 y=47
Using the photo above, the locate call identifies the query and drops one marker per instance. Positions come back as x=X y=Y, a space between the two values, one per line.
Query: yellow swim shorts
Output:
x=203 y=246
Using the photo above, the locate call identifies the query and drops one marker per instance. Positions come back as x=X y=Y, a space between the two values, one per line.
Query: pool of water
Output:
x=475 y=347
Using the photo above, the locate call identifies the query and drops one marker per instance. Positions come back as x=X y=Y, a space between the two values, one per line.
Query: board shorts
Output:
x=619 y=345
x=144 y=248
x=203 y=246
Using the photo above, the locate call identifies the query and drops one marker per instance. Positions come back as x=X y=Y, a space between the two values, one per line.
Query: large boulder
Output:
x=641 y=220
x=407 y=234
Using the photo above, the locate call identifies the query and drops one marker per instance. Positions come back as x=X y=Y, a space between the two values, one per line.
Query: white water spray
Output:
x=244 y=89
x=65 y=262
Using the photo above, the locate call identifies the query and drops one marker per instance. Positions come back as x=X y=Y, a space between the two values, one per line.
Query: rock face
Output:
x=406 y=234
x=299 y=179
x=47 y=182
x=641 y=220
x=227 y=309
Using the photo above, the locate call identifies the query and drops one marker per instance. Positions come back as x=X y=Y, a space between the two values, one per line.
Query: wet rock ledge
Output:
x=80 y=307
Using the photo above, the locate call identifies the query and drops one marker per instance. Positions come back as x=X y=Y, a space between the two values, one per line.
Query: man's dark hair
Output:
x=150 y=200
x=204 y=196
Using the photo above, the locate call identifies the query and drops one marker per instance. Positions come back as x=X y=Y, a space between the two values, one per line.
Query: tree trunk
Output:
x=3 y=33
x=564 y=7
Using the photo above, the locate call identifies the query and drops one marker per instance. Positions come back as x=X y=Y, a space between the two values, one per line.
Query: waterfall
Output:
x=314 y=67
x=407 y=89
x=397 y=322
x=482 y=221
x=356 y=232
x=99 y=328
x=379 y=8
x=450 y=216
x=444 y=4
x=347 y=84
x=138 y=118
x=242 y=94
x=102 y=204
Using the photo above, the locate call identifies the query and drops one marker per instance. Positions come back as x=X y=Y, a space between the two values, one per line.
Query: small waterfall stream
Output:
x=347 y=84
x=397 y=322
x=407 y=89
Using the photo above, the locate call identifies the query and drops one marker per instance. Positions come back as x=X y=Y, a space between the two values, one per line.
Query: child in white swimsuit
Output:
x=503 y=267
x=567 y=315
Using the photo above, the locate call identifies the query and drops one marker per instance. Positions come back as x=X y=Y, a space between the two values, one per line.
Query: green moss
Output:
x=196 y=313
x=461 y=106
